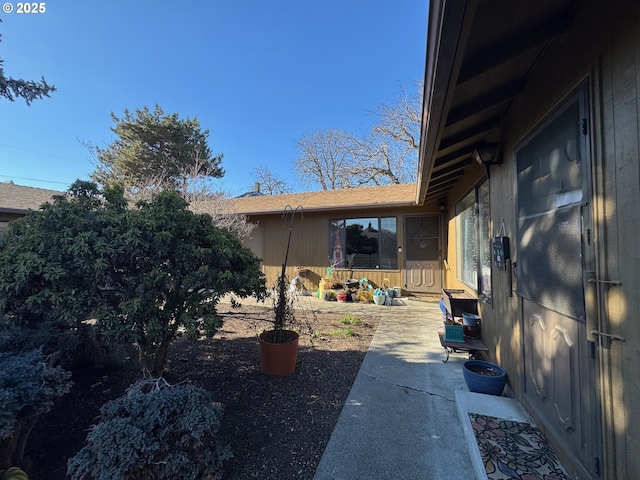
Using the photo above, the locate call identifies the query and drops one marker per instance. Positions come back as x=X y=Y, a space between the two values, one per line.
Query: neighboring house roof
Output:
x=19 y=199
x=363 y=197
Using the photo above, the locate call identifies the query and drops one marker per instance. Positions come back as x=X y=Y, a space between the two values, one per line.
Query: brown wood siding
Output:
x=620 y=219
x=310 y=245
x=602 y=47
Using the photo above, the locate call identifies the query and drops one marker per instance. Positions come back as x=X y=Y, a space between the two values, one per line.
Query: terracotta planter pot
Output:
x=484 y=377
x=278 y=358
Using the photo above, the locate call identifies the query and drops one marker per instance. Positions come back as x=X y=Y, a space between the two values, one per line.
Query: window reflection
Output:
x=369 y=242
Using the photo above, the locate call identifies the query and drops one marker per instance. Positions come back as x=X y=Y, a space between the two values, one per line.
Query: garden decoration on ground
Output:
x=346 y=291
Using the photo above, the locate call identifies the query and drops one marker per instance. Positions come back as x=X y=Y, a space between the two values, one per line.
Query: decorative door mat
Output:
x=515 y=450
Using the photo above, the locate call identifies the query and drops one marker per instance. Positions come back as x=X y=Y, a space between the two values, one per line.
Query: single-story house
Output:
x=528 y=197
x=17 y=200
x=377 y=233
x=530 y=131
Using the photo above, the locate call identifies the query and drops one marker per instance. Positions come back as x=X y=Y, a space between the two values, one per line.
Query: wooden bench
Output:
x=470 y=345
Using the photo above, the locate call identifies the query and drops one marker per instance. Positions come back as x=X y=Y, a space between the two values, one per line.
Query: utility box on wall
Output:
x=501 y=252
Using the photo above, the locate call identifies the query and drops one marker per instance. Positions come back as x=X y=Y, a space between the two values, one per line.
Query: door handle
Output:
x=591 y=305
x=593 y=281
x=611 y=336
x=608 y=337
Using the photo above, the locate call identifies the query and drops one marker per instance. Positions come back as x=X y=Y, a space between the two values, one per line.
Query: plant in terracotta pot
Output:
x=329 y=295
x=279 y=346
x=343 y=296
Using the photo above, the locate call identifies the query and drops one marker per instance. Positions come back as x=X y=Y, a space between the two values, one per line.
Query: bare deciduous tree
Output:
x=387 y=155
x=196 y=188
x=269 y=182
x=397 y=132
x=400 y=120
x=323 y=159
x=372 y=163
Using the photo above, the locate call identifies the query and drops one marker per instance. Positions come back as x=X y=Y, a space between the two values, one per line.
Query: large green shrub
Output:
x=28 y=388
x=145 y=274
x=154 y=431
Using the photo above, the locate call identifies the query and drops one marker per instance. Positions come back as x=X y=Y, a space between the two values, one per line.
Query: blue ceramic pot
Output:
x=470 y=319
x=484 y=377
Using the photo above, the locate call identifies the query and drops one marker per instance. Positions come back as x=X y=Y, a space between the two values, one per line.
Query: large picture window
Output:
x=370 y=242
x=473 y=243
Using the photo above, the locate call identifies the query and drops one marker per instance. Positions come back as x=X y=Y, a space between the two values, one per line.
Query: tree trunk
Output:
x=7 y=447
x=160 y=360
x=12 y=447
x=22 y=437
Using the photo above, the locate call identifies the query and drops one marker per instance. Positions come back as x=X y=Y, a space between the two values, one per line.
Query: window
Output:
x=364 y=243
x=474 y=241
x=550 y=165
x=551 y=185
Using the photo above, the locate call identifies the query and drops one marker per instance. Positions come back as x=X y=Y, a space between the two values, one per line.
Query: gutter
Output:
x=359 y=206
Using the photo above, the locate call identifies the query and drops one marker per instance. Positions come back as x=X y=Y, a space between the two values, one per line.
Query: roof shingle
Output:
x=388 y=195
x=20 y=199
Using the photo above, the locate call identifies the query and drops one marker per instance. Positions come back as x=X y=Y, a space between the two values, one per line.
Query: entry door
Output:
x=422 y=254
x=554 y=256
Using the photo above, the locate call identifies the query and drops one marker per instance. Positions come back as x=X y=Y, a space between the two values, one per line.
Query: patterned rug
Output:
x=515 y=450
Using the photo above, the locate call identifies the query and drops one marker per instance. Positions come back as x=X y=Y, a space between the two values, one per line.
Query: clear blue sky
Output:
x=258 y=74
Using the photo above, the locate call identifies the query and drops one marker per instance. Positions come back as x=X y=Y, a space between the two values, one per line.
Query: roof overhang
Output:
x=344 y=207
x=14 y=211
x=479 y=53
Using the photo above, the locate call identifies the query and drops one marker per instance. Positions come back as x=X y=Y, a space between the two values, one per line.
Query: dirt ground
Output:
x=276 y=427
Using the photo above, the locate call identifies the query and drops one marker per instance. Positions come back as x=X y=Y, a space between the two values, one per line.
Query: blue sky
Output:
x=258 y=74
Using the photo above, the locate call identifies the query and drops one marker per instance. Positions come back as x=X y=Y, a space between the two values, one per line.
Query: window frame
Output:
x=340 y=225
x=474 y=269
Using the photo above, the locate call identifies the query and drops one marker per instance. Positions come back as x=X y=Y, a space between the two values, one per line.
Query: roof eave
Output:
x=15 y=211
x=449 y=25
x=358 y=206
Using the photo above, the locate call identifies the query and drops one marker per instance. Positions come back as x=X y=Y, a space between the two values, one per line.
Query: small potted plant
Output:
x=342 y=296
x=379 y=296
x=279 y=346
x=453 y=331
x=329 y=295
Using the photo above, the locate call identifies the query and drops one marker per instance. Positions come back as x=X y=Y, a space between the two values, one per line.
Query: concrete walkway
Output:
x=407 y=414
x=400 y=420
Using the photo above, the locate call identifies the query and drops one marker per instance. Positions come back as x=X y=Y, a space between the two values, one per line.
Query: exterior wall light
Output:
x=486 y=155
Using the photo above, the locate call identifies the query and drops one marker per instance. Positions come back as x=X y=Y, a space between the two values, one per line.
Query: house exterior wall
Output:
x=5 y=219
x=617 y=215
x=309 y=245
x=601 y=51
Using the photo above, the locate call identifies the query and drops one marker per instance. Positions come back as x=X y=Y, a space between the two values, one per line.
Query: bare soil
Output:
x=276 y=427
